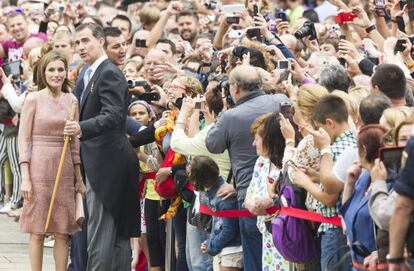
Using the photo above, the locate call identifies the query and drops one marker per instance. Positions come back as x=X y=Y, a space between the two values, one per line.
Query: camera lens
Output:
x=304 y=31
x=131 y=83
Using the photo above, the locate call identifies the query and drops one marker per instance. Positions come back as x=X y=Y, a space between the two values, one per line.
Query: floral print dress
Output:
x=271 y=259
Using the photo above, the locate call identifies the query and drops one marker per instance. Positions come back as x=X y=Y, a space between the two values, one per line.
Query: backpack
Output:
x=293 y=237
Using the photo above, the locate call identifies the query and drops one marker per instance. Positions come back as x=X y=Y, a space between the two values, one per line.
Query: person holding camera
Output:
x=356 y=194
x=232 y=132
x=181 y=142
x=180 y=88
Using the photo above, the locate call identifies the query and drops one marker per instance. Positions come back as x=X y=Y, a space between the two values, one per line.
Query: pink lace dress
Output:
x=40 y=144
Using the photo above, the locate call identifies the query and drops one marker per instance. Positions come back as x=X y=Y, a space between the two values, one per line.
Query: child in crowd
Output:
x=224 y=239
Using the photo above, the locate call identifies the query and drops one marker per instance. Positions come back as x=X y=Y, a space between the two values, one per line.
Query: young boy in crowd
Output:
x=334 y=137
x=224 y=239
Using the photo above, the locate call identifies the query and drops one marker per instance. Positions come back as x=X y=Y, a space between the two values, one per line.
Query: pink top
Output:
x=14 y=50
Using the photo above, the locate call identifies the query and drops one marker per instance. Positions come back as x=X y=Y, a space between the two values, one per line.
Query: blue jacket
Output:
x=225 y=231
x=355 y=212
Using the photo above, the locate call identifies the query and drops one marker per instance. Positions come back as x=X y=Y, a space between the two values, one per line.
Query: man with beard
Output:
x=115 y=45
x=18 y=27
x=187 y=21
x=188 y=26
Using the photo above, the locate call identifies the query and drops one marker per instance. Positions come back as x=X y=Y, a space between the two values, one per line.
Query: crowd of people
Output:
x=136 y=134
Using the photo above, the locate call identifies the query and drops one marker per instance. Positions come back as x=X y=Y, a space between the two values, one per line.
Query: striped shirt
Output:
x=344 y=141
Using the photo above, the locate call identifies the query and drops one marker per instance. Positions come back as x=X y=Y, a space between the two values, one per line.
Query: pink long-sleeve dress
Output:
x=40 y=144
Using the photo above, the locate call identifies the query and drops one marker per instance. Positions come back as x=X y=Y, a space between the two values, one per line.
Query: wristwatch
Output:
x=326 y=151
x=394 y=260
x=370 y=28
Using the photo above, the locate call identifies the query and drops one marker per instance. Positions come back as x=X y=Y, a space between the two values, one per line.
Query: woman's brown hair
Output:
x=370 y=138
x=267 y=126
x=41 y=71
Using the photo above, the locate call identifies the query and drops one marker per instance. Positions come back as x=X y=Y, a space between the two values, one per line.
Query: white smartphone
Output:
x=284 y=64
x=236 y=34
x=231 y=9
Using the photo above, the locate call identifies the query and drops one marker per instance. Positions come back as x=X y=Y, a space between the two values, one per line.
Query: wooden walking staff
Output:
x=60 y=167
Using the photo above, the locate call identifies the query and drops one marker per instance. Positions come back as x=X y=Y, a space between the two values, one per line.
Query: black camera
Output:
x=399 y=46
x=149 y=96
x=254 y=33
x=140 y=43
x=139 y=83
x=13 y=68
x=211 y=5
x=307 y=29
x=224 y=87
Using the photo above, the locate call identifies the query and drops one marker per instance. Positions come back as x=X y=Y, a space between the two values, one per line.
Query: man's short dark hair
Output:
x=111 y=31
x=187 y=13
x=390 y=80
x=330 y=107
x=311 y=15
x=96 y=19
x=123 y=18
x=204 y=172
x=372 y=106
x=96 y=29
x=169 y=42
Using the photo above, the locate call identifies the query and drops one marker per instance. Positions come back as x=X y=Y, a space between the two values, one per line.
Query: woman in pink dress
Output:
x=42 y=121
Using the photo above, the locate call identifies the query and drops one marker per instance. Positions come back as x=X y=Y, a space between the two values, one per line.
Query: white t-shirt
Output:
x=344 y=161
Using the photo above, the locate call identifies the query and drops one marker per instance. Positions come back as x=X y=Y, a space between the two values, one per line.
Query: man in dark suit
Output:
x=109 y=161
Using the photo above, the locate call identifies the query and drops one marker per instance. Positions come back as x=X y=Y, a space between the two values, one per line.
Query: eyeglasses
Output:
x=177 y=87
x=15 y=11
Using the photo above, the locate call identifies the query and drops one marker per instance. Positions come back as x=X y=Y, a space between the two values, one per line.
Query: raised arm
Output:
x=158 y=29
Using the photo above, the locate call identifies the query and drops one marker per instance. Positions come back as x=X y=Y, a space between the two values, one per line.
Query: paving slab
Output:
x=14 y=251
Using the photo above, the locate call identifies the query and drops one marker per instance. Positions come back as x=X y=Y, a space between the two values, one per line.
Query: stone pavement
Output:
x=14 y=251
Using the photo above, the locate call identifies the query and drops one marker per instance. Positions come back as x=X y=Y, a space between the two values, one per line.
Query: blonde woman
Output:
x=394 y=116
x=305 y=154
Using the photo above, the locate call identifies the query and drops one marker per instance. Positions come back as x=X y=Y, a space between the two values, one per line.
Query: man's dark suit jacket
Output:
x=109 y=160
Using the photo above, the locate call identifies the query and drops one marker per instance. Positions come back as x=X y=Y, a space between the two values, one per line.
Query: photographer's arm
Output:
x=381 y=204
x=382 y=26
x=373 y=34
x=216 y=138
x=15 y=101
x=222 y=29
x=158 y=29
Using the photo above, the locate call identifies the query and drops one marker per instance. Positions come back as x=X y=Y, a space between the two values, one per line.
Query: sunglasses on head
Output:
x=15 y=11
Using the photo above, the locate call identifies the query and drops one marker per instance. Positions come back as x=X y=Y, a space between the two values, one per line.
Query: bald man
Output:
x=232 y=132
x=152 y=59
